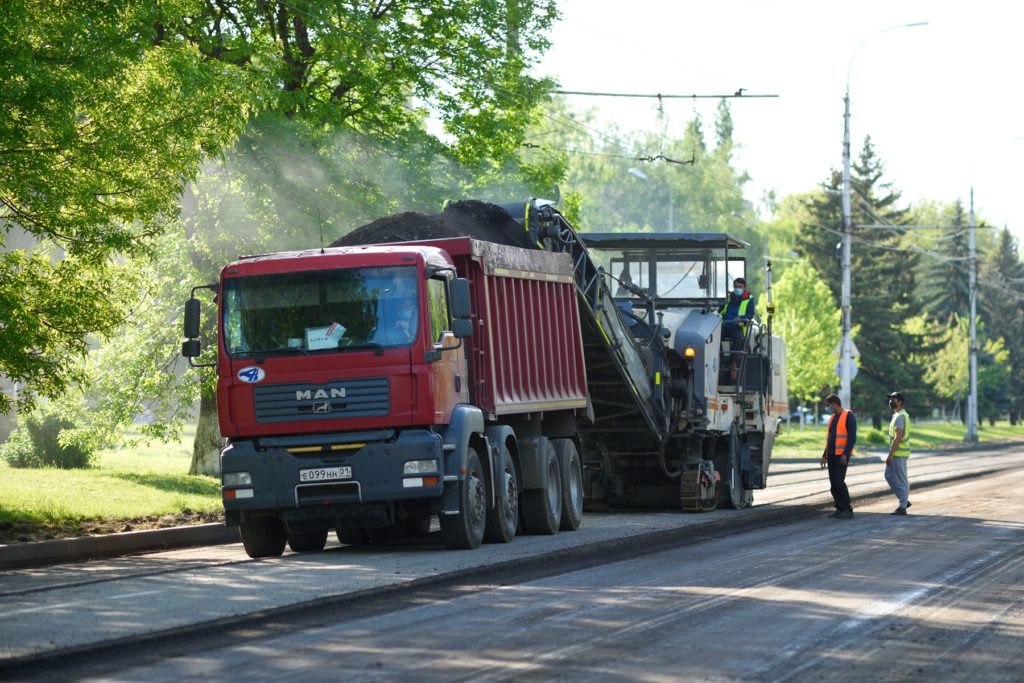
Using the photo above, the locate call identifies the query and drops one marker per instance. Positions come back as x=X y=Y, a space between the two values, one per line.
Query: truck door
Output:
x=449 y=377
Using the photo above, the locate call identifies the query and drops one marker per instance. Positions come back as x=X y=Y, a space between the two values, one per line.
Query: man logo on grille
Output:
x=320 y=408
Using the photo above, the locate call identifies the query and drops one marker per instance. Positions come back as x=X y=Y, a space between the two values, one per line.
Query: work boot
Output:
x=835 y=514
x=845 y=514
x=899 y=511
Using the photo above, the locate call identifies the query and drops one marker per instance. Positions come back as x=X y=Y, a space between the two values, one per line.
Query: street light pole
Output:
x=846 y=344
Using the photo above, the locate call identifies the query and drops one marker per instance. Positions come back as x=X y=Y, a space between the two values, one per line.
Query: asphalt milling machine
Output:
x=678 y=415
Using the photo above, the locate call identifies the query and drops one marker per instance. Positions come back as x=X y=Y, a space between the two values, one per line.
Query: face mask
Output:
x=892 y=404
x=405 y=315
x=738 y=291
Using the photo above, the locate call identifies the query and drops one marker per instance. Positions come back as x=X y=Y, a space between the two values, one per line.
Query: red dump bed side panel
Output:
x=526 y=352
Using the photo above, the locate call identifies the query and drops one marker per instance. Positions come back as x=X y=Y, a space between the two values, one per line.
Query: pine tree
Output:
x=1001 y=302
x=944 y=283
x=882 y=278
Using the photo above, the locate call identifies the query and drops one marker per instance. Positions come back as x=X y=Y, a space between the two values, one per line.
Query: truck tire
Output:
x=732 y=495
x=542 y=508
x=572 y=484
x=503 y=519
x=352 y=535
x=307 y=541
x=465 y=530
x=263 y=536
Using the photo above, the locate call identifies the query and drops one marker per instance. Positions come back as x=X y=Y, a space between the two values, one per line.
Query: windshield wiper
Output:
x=378 y=349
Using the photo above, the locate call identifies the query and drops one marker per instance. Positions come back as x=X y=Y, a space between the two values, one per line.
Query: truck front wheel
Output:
x=465 y=530
x=263 y=536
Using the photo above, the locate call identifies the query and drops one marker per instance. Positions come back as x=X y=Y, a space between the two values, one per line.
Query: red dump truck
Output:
x=367 y=389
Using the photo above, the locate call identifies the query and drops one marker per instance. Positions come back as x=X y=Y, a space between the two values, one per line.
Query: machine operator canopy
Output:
x=673 y=268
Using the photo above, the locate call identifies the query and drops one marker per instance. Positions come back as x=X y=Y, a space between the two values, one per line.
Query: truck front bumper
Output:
x=378 y=473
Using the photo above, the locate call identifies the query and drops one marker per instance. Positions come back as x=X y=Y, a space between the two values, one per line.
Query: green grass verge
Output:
x=131 y=487
x=809 y=442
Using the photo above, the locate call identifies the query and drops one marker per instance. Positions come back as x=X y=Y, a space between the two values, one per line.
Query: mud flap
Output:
x=532 y=466
x=466 y=421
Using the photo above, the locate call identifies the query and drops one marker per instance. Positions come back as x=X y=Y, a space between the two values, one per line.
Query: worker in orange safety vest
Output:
x=842 y=437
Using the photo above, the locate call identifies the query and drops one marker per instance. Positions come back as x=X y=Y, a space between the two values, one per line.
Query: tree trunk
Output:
x=876 y=421
x=208 y=442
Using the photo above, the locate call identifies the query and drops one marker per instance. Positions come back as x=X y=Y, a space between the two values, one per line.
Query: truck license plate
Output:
x=325 y=473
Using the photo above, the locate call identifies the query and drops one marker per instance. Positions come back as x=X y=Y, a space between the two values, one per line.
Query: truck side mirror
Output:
x=462 y=328
x=192 y=318
x=190 y=348
x=458 y=290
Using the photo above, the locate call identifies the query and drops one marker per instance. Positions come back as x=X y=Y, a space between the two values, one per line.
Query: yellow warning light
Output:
x=689 y=352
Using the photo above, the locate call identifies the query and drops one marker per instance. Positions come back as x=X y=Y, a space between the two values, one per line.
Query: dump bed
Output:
x=526 y=352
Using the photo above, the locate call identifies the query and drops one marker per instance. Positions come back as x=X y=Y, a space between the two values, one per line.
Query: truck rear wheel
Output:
x=263 y=536
x=572 y=484
x=542 y=508
x=307 y=541
x=465 y=530
x=503 y=520
x=353 y=535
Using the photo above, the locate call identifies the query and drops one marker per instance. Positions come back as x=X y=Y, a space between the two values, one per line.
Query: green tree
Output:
x=337 y=145
x=103 y=116
x=811 y=325
x=883 y=267
x=943 y=277
x=1000 y=286
x=949 y=373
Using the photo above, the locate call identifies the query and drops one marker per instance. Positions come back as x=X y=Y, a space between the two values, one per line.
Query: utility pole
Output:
x=972 y=398
x=845 y=356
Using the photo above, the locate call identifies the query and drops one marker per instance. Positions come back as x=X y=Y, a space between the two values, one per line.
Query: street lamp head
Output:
x=864 y=42
x=637 y=173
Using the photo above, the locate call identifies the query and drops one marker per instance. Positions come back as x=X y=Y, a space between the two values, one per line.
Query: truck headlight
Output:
x=237 y=479
x=419 y=466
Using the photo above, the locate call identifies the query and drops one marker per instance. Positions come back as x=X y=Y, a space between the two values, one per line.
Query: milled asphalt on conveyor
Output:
x=73 y=606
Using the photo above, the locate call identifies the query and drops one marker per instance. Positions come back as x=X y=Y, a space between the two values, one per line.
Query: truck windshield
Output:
x=315 y=311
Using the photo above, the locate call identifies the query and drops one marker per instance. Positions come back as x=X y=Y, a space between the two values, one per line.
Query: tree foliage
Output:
x=103 y=116
x=811 y=323
x=1000 y=287
x=370 y=108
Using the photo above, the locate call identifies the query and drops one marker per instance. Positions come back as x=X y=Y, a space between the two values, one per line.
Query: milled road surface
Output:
x=937 y=594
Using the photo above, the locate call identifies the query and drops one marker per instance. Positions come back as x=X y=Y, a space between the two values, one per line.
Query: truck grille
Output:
x=348 y=398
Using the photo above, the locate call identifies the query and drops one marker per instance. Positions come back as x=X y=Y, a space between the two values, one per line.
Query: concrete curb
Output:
x=21 y=555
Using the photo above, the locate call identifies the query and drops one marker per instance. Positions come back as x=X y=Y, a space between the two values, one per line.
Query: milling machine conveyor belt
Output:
x=624 y=376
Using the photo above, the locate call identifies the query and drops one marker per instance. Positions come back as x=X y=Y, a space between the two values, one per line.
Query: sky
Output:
x=943 y=103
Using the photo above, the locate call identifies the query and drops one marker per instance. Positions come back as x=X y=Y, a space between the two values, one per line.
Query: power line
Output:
x=648 y=158
x=739 y=94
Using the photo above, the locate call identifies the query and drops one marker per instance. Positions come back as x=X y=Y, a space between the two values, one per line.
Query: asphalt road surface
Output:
x=937 y=595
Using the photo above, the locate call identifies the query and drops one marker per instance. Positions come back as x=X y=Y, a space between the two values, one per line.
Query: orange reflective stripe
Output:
x=842 y=436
